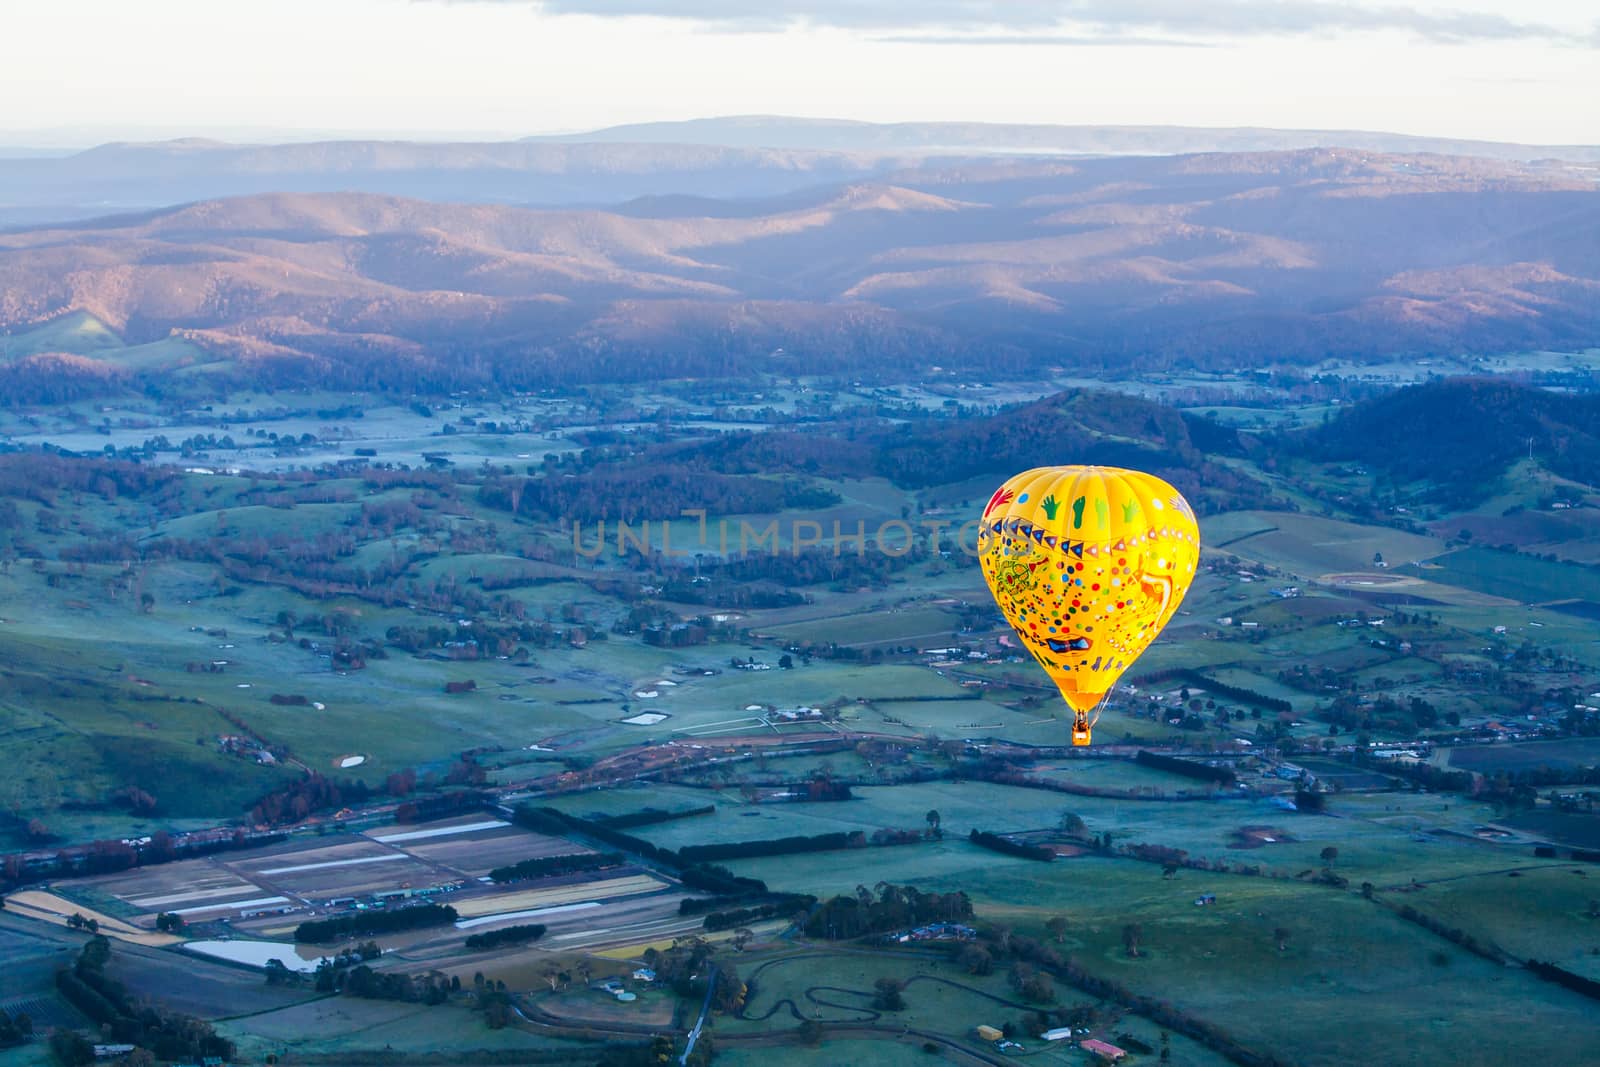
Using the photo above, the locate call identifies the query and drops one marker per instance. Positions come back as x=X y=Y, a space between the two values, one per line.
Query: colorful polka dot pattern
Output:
x=1088 y=564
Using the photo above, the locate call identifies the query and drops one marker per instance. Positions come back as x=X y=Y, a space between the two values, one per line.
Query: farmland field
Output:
x=1514 y=576
x=322 y=649
x=1349 y=956
x=1307 y=546
x=1561 y=755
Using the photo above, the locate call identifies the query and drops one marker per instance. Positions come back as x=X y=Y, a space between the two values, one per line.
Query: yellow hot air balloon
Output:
x=1088 y=564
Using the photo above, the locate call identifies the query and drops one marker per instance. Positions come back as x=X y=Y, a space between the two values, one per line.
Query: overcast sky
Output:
x=94 y=69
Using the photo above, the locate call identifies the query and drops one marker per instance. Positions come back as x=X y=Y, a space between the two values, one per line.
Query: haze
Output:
x=84 y=71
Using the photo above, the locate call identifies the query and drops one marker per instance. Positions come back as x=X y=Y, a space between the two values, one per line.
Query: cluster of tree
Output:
x=480 y=639
x=783 y=902
x=1220 y=689
x=279 y=974
x=547 y=820
x=1351 y=711
x=507 y=935
x=713 y=878
x=15 y=1029
x=1188 y=768
x=1093 y=426
x=843 y=918
x=38 y=475
x=545 y=866
x=363 y=981
x=689 y=963
x=997 y=843
x=441 y=805
x=1032 y=983
x=388 y=920
x=651 y=816
x=109 y=856
x=781 y=846
x=1459 y=435
x=299 y=799
x=784 y=906
x=696 y=875
x=1563 y=977
x=167 y=1035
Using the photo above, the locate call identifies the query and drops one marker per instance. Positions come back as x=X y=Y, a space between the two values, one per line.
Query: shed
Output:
x=1107 y=1052
x=989 y=1033
x=1058 y=1034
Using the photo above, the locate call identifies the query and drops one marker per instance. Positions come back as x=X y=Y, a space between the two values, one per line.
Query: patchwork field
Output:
x=1307 y=545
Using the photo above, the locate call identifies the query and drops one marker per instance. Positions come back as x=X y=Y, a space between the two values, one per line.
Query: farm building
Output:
x=988 y=1033
x=1058 y=1034
x=940 y=932
x=1109 y=1053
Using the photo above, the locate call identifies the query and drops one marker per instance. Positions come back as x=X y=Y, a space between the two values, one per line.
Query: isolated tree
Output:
x=786 y=662
x=976 y=960
x=1594 y=909
x=1330 y=854
x=1071 y=823
x=889 y=996
x=1039 y=988
x=1132 y=933
x=811 y=1032
x=1166 y=1047
x=1057 y=926
x=70 y=1048
x=933 y=820
x=741 y=937
x=1168 y=870
x=95 y=955
x=1281 y=936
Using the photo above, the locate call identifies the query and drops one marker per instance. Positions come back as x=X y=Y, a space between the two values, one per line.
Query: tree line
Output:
x=110 y=1005
x=362 y=923
x=545 y=866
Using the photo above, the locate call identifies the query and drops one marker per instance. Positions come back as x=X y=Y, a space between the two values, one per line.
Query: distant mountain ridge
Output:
x=739 y=157
x=996 y=138
x=135 y=176
x=1000 y=266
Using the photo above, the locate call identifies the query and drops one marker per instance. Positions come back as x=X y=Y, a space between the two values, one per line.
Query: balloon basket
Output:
x=1080 y=737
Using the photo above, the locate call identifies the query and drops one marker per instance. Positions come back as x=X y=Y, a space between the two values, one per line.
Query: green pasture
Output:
x=372 y=1027
x=1566 y=754
x=1369 y=975
x=1516 y=577
x=1309 y=545
x=918 y=627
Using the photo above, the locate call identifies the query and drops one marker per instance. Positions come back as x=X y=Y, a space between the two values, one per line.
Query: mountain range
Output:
x=995 y=138
x=736 y=157
x=1213 y=260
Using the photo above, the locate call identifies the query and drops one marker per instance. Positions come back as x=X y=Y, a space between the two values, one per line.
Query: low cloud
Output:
x=1084 y=21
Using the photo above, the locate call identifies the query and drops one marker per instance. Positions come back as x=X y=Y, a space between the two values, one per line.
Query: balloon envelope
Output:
x=1088 y=564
